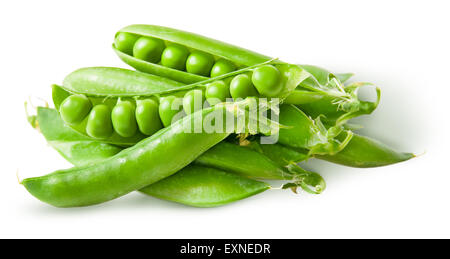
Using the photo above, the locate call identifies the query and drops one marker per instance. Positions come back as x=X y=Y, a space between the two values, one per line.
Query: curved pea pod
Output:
x=205 y=187
x=149 y=161
x=301 y=131
x=114 y=138
x=217 y=187
x=240 y=160
x=280 y=154
x=366 y=152
x=238 y=57
x=230 y=188
x=117 y=82
x=193 y=42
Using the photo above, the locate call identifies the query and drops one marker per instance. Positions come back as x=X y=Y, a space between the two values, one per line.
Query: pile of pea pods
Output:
x=125 y=130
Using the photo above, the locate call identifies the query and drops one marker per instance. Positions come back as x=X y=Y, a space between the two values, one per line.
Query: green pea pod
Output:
x=107 y=86
x=59 y=95
x=305 y=133
x=73 y=146
x=197 y=186
x=149 y=161
x=204 y=187
x=365 y=152
x=325 y=94
x=225 y=156
x=117 y=82
x=81 y=150
x=236 y=56
x=194 y=42
x=344 y=77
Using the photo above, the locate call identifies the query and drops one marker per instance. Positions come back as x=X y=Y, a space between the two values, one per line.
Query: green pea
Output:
x=199 y=63
x=75 y=108
x=266 y=80
x=125 y=41
x=147 y=116
x=124 y=119
x=222 y=66
x=169 y=106
x=193 y=101
x=148 y=49
x=99 y=122
x=175 y=56
x=217 y=92
x=241 y=87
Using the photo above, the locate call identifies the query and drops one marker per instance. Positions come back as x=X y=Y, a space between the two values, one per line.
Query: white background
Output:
x=402 y=46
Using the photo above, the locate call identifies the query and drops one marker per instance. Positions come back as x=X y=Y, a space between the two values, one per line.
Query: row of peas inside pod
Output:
x=172 y=55
x=178 y=57
x=97 y=101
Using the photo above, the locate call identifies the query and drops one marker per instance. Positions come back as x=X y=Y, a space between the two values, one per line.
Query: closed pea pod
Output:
x=196 y=44
x=197 y=185
x=365 y=152
x=147 y=116
x=194 y=185
x=217 y=92
x=99 y=122
x=124 y=119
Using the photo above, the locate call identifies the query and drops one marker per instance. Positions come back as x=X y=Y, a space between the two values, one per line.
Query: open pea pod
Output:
x=122 y=107
x=188 y=57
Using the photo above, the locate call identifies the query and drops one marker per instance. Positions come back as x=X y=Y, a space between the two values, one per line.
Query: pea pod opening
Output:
x=322 y=85
x=129 y=170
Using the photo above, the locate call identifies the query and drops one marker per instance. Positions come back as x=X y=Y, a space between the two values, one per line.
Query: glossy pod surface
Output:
x=366 y=152
x=206 y=57
x=205 y=187
x=183 y=186
x=304 y=133
x=153 y=159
